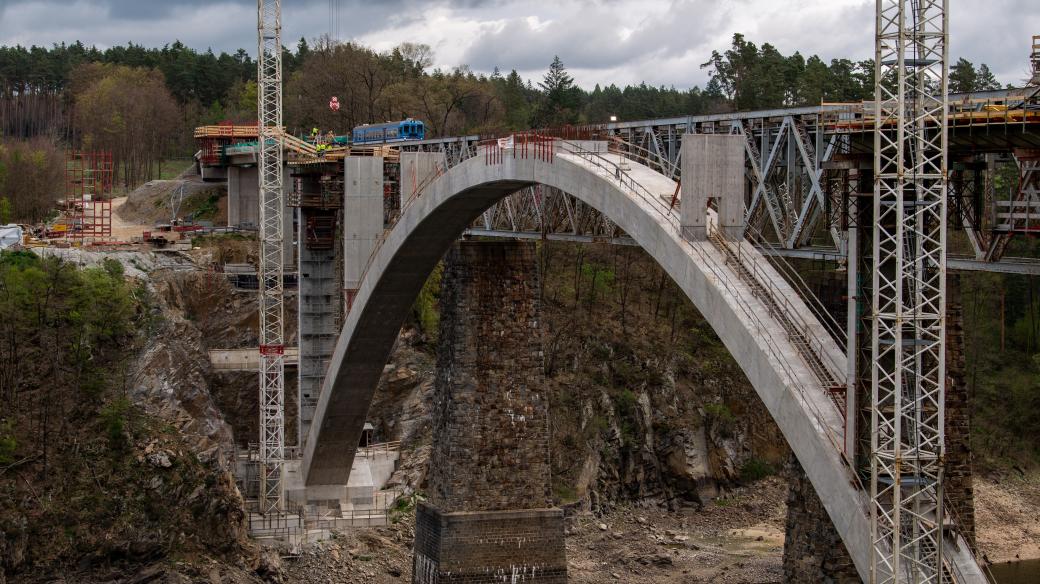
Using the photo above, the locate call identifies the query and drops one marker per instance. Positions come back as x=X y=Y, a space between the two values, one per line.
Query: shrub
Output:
x=755 y=469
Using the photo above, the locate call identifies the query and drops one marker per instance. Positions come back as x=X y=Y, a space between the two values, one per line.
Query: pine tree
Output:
x=561 y=96
x=986 y=81
x=963 y=77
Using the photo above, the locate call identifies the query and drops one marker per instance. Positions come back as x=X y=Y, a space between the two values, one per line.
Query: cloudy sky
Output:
x=600 y=41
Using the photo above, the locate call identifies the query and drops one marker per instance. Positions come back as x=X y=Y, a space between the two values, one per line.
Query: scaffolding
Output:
x=88 y=183
x=272 y=260
x=908 y=282
x=1034 y=60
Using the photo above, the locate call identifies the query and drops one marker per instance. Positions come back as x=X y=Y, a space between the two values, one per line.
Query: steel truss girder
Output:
x=1022 y=213
x=908 y=291
x=547 y=210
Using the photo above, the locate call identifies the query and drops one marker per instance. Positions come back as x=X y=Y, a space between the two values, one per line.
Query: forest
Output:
x=141 y=103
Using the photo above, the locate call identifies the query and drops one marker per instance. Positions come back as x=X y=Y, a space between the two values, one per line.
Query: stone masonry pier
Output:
x=487 y=519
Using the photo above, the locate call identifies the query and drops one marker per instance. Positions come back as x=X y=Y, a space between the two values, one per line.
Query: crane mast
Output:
x=908 y=304
x=272 y=205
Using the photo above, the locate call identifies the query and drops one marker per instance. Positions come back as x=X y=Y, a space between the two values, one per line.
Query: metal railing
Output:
x=799 y=329
x=723 y=278
x=722 y=275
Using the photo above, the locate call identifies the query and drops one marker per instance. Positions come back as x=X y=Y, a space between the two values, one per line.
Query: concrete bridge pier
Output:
x=488 y=519
x=362 y=218
x=712 y=170
x=243 y=205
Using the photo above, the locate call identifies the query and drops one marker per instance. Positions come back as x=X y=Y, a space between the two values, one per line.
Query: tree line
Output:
x=142 y=103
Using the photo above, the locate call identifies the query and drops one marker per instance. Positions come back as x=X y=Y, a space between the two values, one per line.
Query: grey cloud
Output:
x=591 y=42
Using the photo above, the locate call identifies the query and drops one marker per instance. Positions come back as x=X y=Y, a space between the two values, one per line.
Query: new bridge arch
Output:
x=759 y=342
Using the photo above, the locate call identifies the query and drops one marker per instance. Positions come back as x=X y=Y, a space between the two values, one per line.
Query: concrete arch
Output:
x=428 y=225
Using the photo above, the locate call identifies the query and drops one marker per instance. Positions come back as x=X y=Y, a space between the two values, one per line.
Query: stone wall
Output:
x=489 y=546
x=491 y=449
x=488 y=483
x=813 y=550
x=958 y=487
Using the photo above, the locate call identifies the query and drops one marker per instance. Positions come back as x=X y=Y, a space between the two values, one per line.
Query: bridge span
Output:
x=788 y=354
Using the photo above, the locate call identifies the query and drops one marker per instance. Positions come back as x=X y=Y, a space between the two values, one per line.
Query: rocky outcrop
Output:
x=813 y=550
x=169 y=377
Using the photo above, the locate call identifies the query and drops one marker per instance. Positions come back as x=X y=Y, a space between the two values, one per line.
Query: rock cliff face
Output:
x=169 y=376
x=146 y=479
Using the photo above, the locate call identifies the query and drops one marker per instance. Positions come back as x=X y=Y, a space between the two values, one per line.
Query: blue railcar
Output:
x=389 y=132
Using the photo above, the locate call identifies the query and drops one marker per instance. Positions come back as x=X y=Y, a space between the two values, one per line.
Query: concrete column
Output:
x=244 y=206
x=243 y=197
x=417 y=168
x=362 y=216
x=712 y=168
x=487 y=518
x=288 y=220
x=319 y=309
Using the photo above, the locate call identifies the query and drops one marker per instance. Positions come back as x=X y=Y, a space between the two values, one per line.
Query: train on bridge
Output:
x=389 y=132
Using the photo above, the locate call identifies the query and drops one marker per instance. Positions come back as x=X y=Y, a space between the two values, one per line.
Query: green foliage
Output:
x=426 y=309
x=720 y=412
x=755 y=469
x=404 y=506
x=561 y=99
x=564 y=493
x=31 y=174
x=1002 y=350
x=964 y=78
x=626 y=406
x=113 y=418
x=762 y=78
x=6 y=210
x=64 y=325
x=203 y=205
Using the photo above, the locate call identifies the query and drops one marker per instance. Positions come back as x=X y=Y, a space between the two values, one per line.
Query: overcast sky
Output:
x=600 y=41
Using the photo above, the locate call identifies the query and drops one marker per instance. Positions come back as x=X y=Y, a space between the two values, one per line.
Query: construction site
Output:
x=736 y=346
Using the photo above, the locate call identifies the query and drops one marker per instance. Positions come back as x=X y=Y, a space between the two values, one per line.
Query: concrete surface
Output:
x=788 y=388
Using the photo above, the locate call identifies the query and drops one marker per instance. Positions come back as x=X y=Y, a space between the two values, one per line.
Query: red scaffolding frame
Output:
x=88 y=183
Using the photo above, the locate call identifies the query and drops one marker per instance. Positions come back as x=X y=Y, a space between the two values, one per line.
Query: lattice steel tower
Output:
x=909 y=290
x=272 y=205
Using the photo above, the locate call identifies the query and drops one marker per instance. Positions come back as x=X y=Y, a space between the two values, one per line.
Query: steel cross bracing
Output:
x=908 y=291
x=272 y=205
x=1019 y=213
x=786 y=187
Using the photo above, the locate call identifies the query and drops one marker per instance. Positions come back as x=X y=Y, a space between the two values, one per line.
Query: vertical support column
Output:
x=243 y=197
x=289 y=217
x=712 y=168
x=319 y=299
x=487 y=520
x=362 y=218
x=418 y=169
x=852 y=326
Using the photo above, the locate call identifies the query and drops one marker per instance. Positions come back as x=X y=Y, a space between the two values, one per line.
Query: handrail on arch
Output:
x=722 y=276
